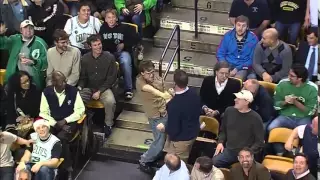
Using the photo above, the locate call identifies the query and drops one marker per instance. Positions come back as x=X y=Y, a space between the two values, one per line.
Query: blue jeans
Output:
x=73 y=11
x=246 y=74
x=286 y=122
x=225 y=159
x=293 y=29
x=156 y=146
x=6 y=173
x=135 y=19
x=126 y=67
x=44 y=173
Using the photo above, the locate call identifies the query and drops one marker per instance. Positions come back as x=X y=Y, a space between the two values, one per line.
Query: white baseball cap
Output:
x=26 y=23
x=245 y=94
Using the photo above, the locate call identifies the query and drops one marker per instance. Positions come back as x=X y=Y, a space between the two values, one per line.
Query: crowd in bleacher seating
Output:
x=57 y=66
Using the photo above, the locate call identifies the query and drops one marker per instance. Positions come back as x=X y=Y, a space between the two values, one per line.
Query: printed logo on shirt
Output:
x=69 y=102
x=35 y=54
x=82 y=37
x=288 y=6
x=254 y=9
x=116 y=36
x=40 y=151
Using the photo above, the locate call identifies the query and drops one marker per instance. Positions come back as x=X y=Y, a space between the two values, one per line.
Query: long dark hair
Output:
x=14 y=84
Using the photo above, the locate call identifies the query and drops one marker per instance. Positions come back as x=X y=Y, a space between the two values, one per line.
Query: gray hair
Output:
x=25 y=171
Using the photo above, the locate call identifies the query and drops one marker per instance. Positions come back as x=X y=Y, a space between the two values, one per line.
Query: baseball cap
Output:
x=244 y=94
x=26 y=23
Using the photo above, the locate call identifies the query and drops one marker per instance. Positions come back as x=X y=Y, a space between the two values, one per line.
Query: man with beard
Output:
x=63 y=58
x=27 y=52
x=237 y=47
x=118 y=39
x=272 y=57
x=248 y=168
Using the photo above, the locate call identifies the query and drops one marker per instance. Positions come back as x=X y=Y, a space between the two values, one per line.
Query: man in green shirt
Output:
x=27 y=52
x=295 y=99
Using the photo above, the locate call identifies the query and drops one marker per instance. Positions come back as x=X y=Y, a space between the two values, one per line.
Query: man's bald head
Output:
x=270 y=37
x=172 y=161
x=58 y=81
x=272 y=32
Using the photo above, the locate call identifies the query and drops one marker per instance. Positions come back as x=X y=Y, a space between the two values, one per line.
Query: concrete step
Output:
x=129 y=140
x=133 y=120
x=205 y=43
x=206 y=5
x=194 y=63
x=209 y=22
x=135 y=104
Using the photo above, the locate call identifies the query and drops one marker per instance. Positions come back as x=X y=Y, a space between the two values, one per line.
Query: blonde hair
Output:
x=112 y=11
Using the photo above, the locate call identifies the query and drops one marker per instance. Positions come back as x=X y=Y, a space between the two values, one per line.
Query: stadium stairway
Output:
x=132 y=134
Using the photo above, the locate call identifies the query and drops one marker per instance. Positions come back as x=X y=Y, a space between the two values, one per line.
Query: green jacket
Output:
x=38 y=53
x=147 y=5
x=307 y=94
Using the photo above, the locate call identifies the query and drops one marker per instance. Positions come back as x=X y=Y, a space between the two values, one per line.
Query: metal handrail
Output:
x=175 y=30
x=196 y=19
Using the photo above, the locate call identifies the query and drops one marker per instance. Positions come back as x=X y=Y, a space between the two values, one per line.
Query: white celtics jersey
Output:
x=78 y=33
x=42 y=149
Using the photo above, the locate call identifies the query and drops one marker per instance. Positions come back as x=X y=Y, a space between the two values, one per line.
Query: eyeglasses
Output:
x=26 y=82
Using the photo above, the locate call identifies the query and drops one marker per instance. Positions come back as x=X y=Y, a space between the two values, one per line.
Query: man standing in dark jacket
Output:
x=184 y=111
x=118 y=39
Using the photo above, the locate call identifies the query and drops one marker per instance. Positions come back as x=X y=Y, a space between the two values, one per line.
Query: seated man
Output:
x=307 y=54
x=80 y=27
x=241 y=127
x=300 y=169
x=237 y=47
x=173 y=169
x=216 y=91
x=63 y=58
x=296 y=100
x=44 y=156
x=97 y=78
x=204 y=169
x=248 y=168
x=62 y=106
x=272 y=57
x=6 y=158
x=262 y=103
x=308 y=136
x=118 y=40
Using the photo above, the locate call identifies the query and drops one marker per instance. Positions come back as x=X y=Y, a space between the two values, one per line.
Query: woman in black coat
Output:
x=23 y=100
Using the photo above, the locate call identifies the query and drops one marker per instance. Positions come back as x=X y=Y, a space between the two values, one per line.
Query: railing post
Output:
x=160 y=67
x=196 y=18
x=178 y=44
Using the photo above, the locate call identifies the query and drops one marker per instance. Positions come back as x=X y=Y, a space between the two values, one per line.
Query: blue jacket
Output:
x=228 y=50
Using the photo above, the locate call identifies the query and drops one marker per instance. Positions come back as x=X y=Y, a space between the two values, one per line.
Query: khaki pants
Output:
x=180 y=148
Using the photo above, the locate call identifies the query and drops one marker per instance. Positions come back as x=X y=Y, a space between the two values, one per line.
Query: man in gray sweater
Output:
x=272 y=57
x=241 y=127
